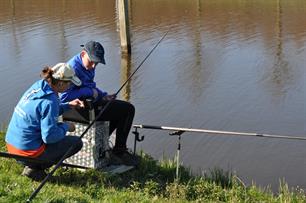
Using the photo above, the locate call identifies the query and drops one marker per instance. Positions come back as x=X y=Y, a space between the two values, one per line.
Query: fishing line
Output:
x=35 y=192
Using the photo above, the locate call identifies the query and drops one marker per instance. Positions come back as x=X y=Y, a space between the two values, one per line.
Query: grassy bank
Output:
x=152 y=182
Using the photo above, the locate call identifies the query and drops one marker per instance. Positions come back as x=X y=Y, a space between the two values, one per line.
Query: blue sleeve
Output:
x=63 y=107
x=101 y=94
x=76 y=93
x=51 y=130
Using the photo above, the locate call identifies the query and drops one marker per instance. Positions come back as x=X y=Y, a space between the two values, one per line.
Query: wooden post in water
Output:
x=124 y=27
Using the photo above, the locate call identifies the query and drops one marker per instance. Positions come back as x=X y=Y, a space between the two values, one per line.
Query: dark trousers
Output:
x=55 y=151
x=119 y=113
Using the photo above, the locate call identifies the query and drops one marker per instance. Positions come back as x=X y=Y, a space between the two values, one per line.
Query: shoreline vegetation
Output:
x=152 y=181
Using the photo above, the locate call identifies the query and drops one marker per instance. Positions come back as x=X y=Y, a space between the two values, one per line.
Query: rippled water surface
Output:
x=224 y=65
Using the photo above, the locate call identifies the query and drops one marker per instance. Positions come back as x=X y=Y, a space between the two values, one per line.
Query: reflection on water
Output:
x=125 y=74
x=225 y=65
x=281 y=72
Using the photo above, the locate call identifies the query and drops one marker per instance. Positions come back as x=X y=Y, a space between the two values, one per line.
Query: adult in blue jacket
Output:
x=34 y=130
x=119 y=113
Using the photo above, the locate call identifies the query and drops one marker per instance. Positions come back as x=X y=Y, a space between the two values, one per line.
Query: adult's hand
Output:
x=76 y=103
x=71 y=127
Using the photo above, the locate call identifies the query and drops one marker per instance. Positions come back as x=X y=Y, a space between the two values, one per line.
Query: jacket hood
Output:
x=39 y=89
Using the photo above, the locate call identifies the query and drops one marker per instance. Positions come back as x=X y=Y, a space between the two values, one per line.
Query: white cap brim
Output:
x=75 y=80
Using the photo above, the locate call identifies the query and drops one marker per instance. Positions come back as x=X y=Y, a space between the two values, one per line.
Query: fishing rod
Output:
x=179 y=131
x=219 y=132
x=38 y=161
x=35 y=192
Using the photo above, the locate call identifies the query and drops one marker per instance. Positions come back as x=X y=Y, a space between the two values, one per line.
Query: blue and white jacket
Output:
x=35 y=118
x=87 y=77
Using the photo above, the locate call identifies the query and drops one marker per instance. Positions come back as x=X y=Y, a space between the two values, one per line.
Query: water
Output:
x=224 y=65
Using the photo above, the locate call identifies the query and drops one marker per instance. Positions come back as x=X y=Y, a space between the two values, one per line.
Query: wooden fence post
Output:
x=124 y=27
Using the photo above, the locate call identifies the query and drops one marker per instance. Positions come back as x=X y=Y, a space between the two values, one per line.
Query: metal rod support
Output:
x=178 y=158
x=219 y=132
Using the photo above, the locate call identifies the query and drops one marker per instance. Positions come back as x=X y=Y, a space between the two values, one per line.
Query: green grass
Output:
x=153 y=181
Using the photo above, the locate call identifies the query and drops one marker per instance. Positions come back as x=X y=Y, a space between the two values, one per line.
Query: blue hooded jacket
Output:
x=35 y=118
x=87 y=77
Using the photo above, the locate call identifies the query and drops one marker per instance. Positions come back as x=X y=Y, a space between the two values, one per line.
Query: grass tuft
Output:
x=152 y=181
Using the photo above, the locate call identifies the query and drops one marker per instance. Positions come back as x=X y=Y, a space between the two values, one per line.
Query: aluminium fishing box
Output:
x=95 y=142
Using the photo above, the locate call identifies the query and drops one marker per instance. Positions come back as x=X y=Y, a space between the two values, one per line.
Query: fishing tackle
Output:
x=220 y=132
x=176 y=131
x=35 y=192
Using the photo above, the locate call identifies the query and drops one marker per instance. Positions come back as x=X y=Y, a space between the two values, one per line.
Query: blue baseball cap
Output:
x=95 y=51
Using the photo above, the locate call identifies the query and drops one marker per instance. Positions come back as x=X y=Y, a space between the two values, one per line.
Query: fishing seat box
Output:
x=95 y=141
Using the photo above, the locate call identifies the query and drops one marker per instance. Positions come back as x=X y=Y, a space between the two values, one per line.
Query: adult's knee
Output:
x=76 y=142
x=79 y=144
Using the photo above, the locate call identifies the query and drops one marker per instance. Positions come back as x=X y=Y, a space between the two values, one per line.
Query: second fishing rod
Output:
x=35 y=192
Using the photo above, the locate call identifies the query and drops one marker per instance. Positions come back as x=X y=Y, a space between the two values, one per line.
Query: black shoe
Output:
x=114 y=159
x=127 y=158
x=34 y=174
